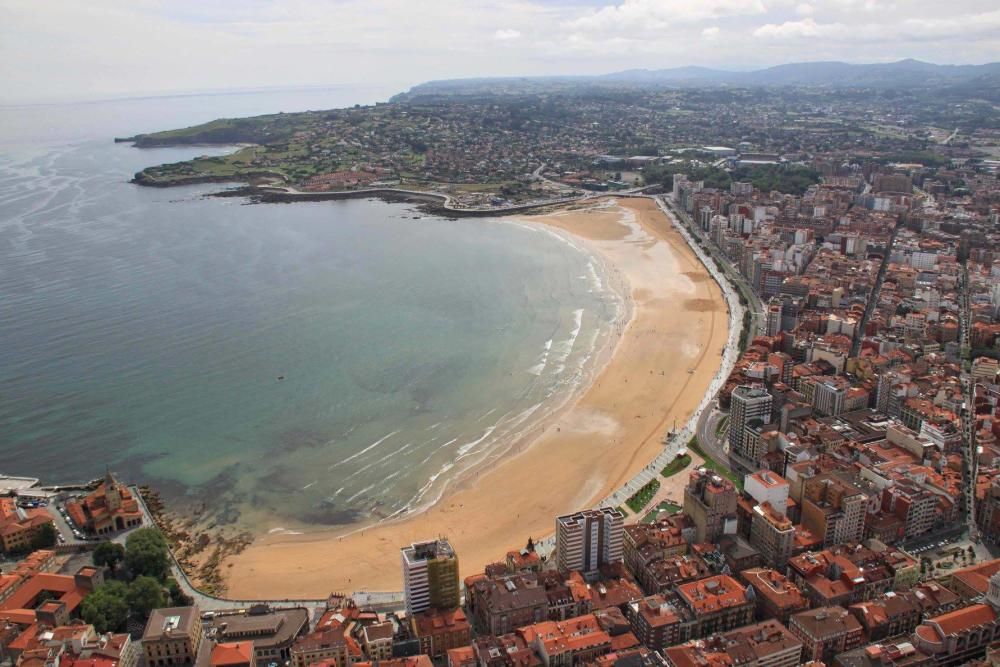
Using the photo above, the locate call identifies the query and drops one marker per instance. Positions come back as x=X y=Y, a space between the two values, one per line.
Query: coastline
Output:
x=564 y=464
x=250 y=185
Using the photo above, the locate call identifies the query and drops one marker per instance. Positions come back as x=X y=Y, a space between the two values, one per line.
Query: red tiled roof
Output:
x=963 y=619
x=712 y=594
x=977 y=577
x=64 y=585
x=232 y=653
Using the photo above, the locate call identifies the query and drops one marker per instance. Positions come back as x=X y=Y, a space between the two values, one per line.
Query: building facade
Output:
x=710 y=502
x=430 y=576
x=588 y=540
x=173 y=636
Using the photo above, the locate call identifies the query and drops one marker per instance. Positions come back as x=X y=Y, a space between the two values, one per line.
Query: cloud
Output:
x=797 y=29
x=506 y=34
x=952 y=26
x=101 y=48
x=651 y=15
x=907 y=31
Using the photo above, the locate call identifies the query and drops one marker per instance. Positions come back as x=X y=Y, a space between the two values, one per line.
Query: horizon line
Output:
x=249 y=90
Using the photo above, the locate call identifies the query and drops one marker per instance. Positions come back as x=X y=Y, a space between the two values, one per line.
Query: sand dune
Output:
x=658 y=371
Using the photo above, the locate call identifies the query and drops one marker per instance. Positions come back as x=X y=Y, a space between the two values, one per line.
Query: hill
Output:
x=903 y=74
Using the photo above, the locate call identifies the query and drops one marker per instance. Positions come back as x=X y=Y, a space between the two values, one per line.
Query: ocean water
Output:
x=309 y=363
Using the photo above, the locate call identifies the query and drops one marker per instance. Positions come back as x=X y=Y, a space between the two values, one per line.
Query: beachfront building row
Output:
x=833 y=602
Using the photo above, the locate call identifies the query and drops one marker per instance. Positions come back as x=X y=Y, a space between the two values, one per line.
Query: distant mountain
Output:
x=676 y=74
x=901 y=74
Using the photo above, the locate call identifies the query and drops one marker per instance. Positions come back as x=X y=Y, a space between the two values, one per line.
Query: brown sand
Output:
x=658 y=372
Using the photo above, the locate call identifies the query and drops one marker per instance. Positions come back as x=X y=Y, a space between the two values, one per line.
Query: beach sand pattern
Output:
x=662 y=357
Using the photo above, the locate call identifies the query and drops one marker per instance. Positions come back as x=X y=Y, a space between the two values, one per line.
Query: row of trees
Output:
x=788 y=179
x=141 y=582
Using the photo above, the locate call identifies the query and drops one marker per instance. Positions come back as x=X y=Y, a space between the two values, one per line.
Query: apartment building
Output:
x=589 y=540
x=430 y=576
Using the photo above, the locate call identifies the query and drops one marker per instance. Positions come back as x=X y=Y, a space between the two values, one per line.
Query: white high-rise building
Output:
x=589 y=539
x=430 y=576
x=748 y=403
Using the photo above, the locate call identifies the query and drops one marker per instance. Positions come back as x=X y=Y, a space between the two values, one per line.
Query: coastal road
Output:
x=732 y=276
x=714 y=446
x=537 y=175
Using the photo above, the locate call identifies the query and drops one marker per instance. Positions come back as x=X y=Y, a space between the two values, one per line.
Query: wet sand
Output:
x=662 y=361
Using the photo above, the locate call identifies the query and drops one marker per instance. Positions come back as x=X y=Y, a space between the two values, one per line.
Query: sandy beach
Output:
x=658 y=371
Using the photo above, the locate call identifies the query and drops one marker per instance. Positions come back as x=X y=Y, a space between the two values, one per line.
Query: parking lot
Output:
x=946 y=553
x=68 y=533
x=932 y=547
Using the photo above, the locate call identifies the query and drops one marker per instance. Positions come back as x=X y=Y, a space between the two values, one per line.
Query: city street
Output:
x=713 y=445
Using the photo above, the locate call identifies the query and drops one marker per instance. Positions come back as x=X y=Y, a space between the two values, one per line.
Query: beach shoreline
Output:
x=583 y=449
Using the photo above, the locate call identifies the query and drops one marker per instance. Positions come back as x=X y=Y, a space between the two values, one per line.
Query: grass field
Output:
x=642 y=497
x=675 y=466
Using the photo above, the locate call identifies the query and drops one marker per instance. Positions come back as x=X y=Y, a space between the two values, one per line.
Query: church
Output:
x=110 y=508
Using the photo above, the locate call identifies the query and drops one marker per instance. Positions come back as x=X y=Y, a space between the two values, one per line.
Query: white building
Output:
x=922 y=261
x=589 y=539
x=430 y=576
x=768 y=487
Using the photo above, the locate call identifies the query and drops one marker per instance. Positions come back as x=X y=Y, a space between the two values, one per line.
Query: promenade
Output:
x=674 y=444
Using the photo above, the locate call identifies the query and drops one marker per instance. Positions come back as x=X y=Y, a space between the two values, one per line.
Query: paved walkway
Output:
x=682 y=437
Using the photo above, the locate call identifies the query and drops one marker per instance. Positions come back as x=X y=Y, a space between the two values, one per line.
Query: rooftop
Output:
x=825 y=622
x=170 y=623
x=712 y=594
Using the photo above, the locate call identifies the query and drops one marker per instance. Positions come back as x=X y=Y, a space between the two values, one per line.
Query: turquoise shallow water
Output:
x=320 y=362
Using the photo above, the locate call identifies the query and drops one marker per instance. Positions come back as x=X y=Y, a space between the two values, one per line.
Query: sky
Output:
x=71 y=49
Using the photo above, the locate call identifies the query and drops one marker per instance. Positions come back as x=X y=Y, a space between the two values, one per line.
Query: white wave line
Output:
x=464 y=450
x=363 y=451
x=362 y=491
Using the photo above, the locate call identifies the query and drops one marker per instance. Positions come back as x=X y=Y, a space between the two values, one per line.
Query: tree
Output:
x=177 y=596
x=108 y=554
x=44 y=537
x=107 y=607
x=144 y=595
x=146 y=554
